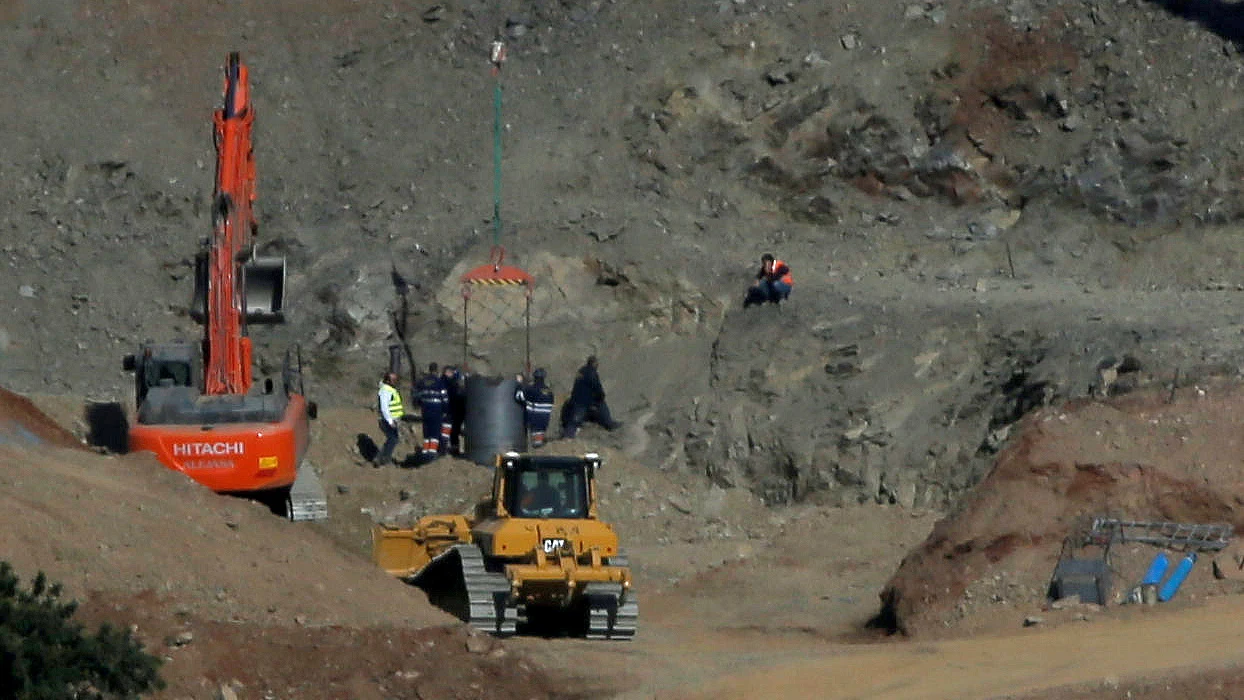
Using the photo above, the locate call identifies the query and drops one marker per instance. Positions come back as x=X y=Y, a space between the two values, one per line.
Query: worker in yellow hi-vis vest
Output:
x=391 y=411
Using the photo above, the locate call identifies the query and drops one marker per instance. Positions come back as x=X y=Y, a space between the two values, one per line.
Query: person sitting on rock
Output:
x=773 y=282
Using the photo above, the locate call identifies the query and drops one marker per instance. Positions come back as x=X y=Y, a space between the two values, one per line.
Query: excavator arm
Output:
x=228 y=350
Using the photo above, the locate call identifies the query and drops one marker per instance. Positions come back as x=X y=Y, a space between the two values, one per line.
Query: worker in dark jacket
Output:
x=773 y=282
x=433 y=397
x=587 y=401
x=537 y=401
x=455 y=409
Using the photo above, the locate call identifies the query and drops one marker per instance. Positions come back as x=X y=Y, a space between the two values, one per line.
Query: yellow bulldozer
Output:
x=534 y=558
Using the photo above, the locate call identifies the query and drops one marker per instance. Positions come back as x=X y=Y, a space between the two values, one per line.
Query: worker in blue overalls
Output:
x=537 y=401
x=433 y=398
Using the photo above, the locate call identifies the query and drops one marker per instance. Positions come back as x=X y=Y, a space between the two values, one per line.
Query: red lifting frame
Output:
x=497 y=274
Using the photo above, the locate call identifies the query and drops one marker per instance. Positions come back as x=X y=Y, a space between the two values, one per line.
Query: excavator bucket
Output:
x=265 y=289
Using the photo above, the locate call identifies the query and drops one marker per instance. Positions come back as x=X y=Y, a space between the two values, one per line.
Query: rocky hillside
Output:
x=983 y=204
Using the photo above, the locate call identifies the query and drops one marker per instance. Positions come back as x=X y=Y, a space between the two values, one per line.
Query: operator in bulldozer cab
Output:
x=541 y=499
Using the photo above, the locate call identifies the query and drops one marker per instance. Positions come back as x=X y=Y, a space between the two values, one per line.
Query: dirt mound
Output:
x=128 y=524
x=22 y=423
x=361 y=663
x=1147 y=457
x=224 y=590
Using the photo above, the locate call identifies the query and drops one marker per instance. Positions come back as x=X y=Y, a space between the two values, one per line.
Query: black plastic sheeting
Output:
x=494 y=420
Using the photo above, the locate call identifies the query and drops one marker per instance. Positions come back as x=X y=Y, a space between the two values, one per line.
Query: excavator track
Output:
x=613 y=612
x=306 y=499
x=487 y=594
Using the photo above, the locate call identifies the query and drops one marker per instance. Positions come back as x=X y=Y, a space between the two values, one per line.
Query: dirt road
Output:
x=1102 y=651
x=685 y=663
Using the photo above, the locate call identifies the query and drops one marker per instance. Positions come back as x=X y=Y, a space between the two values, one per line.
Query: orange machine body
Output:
x=232 y=457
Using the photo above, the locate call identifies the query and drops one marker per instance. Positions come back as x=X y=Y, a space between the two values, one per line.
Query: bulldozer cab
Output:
x=529 y=486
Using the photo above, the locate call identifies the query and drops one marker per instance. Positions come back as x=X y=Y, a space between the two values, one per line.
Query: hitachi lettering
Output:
x=199 y=449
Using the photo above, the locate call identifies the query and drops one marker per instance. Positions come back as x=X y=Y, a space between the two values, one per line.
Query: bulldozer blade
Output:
x=265 y=290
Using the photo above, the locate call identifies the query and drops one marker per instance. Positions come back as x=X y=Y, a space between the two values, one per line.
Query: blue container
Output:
x=1171 y=587
x=1157 y=570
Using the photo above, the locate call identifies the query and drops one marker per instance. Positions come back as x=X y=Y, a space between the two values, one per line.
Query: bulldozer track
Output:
x=613 y=612
x=487 y=594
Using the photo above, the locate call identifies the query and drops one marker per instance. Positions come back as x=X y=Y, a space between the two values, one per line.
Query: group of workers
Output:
x=442 y=395
x=585 y=405
x=442 y=410
x=442 y=406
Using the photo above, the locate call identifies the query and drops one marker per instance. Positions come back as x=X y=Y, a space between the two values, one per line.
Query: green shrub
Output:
x=46 y=656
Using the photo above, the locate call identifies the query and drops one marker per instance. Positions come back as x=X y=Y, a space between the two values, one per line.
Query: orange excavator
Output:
x=196 y=410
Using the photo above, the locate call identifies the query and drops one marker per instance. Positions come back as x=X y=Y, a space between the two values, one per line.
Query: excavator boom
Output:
x=233 y=229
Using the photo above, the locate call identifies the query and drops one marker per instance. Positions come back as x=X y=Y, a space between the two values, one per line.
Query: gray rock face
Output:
x=876 y=408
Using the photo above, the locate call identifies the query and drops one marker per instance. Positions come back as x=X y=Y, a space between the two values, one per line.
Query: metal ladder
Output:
x=1178 y=536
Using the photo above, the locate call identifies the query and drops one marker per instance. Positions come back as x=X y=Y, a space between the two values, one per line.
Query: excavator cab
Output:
x=163 y=365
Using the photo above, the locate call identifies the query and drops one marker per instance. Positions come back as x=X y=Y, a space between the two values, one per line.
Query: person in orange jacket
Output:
x=773 y=282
